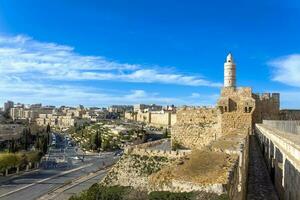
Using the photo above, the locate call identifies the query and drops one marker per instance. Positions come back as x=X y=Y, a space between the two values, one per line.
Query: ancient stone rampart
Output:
x=281 y=151
x=289 y=126
x=156 y=119
x=230 y=180
x=196 y=127
x=287 y=114
x=237 y=180
x=160 y=153
x=267 y=106
x=145 y=150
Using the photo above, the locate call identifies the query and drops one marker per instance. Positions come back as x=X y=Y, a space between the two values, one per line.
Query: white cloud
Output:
x=24 y=92
x=286 y=70
x=34 y=71
x=23 y=56
x=195 y=95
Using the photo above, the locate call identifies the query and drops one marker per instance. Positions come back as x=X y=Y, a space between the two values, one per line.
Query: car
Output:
x=118 y=153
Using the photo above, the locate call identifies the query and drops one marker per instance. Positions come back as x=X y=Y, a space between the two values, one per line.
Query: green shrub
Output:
x=9 y=160
x=164 y=195
x=102 y=193
x=34 y=156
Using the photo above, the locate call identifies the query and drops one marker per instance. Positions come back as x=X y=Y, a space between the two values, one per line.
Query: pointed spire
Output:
x=229 y=58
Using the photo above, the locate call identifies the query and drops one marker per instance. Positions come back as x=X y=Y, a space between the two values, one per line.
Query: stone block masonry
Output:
x=290 y=126
x=144 y=150
x=157 y=119
x=196 y=127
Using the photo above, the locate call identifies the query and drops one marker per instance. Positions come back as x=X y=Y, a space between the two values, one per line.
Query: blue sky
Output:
x=99 y=53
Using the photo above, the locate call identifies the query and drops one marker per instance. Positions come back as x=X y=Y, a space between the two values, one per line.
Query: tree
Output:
x=166 y=133
x=24 y=139
x=105 y=145
x=97 y=140
x=48 y=129
x=37 y=140
x=44 y=144
x=12 y=146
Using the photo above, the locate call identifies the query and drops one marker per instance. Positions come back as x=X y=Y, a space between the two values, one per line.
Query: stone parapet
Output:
x=144 y=150
x=281 y=151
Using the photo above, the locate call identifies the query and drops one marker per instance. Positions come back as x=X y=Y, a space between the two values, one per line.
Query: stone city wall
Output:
x=161 y=118
x=144 y=150
x=267 y=106
x=159 y=153
x=156 y=119
x=236 y=122
x=237 y=180
x=289 y=114
x=289 y=126
x=173 y=119
x=196 y=127
x=281 y=151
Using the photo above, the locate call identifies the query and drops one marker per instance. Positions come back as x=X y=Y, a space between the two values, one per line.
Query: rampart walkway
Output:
x=260 y=186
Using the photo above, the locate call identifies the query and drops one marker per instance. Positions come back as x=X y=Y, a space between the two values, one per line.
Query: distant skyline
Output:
x=64 y=52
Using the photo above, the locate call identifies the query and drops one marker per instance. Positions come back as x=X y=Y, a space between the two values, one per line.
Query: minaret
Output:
x=229 y=72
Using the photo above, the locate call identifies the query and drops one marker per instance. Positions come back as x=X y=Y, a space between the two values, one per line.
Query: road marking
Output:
x=80 y=180
x=46 y=179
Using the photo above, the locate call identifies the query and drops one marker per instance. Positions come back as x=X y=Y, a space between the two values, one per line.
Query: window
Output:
x=250 y=109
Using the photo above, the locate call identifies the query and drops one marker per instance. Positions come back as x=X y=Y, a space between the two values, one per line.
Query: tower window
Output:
x=250 y=109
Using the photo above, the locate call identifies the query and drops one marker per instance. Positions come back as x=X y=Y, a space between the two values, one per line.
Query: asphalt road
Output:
x=82 y=186
x=52 y=175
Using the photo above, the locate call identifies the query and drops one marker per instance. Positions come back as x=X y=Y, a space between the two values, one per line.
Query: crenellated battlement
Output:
x=267 y=96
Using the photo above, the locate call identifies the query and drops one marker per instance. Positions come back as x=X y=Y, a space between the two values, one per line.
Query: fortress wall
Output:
x=161 y=118
x=196 y=128
x=237 y=180
x=267 y=106
x=128 y=116
x=145 y=145
x=284 y=125
x=289 y=114
x=159 y=153
x=173 y=118
x=282 y=155
x=156 y=119
x=236 y=122
x=144 y=150
x=143 y=117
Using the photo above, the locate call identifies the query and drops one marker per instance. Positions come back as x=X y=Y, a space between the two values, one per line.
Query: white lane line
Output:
x=46 y=179
x=61 y=190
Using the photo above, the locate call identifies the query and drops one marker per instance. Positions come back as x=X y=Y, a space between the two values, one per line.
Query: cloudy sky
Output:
x=125 y=52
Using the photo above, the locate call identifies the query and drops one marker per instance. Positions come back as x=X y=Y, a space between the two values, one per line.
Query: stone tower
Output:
x=229 y=72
